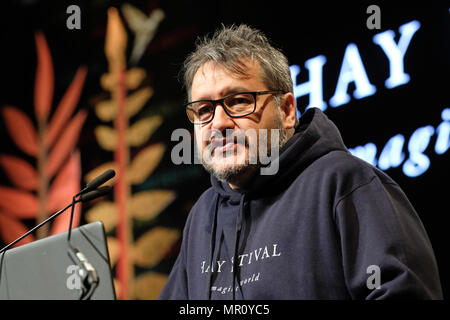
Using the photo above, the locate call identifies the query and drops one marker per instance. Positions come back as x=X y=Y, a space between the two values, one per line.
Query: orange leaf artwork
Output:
x=20 y=172
x=17 y=203
x=62 y=188
x=65 y=143
x=44 y=82
x=11 y=229
x=65 y=186
x=21 y=130
x=66 y=106
x=37 y=192
x=135 y=158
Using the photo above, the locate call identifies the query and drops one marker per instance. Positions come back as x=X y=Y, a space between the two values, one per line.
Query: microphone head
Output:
x=95 y=193
x=101 y=179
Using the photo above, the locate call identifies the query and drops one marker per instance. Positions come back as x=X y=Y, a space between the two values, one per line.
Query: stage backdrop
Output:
x=91 y=85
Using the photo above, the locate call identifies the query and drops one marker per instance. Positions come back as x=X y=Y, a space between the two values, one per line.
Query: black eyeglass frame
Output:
x=221 y=102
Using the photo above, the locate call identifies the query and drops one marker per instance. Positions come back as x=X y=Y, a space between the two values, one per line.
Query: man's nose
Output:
x=221 y=120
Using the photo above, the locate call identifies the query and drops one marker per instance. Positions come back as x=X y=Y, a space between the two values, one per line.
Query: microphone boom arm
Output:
x=38 y=226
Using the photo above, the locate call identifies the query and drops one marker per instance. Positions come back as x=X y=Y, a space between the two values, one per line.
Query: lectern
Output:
x=47 y=269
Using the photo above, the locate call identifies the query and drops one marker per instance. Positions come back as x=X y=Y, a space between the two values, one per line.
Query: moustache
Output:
x=218 y=138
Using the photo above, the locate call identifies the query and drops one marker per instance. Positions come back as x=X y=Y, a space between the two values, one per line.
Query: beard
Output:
x=236 y=164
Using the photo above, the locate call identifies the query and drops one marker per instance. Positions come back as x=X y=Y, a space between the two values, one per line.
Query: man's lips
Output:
x=222 y=145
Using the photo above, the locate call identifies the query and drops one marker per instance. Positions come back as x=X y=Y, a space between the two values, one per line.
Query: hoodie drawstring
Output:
x=212 y=245
x=239 y=219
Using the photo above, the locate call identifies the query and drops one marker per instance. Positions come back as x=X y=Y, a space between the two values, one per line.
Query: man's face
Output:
x=224 y=156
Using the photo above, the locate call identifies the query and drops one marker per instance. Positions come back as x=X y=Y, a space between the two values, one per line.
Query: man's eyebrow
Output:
x=224 y=93
x=232 y=90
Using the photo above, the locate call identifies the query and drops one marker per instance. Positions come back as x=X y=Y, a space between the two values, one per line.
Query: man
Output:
x=322 y=225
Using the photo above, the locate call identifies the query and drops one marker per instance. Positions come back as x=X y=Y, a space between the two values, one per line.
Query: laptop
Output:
x=46 y=269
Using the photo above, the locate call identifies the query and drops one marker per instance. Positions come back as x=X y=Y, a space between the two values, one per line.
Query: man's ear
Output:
x=288 y=110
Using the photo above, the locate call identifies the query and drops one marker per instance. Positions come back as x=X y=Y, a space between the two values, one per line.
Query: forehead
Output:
x=214 y=80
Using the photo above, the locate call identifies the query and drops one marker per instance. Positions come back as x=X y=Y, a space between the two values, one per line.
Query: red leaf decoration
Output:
x=61 y=191
x=20 y=172
x=20 y=204
x=61 y=223
x=44 y=81
x=11 y=229
x=65 y=144
x=66 y=106
x=21 y=130
x=66 y=185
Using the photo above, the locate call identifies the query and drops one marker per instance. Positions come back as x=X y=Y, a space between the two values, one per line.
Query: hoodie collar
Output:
x=314 y=137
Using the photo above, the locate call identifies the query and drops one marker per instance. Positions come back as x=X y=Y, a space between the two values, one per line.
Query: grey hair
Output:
x=228 y=46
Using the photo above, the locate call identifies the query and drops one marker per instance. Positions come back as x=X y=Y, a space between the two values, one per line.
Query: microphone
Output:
x=38 y=226
x=91 y=192
x=90 y=195
x=101 y=179
x=86 y=271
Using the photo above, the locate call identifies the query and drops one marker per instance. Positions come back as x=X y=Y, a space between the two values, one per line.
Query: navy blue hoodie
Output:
x=327 y=226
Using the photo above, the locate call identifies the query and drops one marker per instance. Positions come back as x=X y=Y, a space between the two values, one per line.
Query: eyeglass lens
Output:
x=236 y=105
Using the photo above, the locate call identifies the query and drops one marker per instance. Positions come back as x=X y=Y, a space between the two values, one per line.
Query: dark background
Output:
x=302 y=30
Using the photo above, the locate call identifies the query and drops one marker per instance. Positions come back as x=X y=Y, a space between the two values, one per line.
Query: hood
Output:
x=314 y=137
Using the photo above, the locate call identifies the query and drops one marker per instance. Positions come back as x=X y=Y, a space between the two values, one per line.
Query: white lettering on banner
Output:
x=443 y=133
x=417 y=162
x=313 y=87
x=392 y=155
x=368 y=152
x=353 y=71
x=396 y=52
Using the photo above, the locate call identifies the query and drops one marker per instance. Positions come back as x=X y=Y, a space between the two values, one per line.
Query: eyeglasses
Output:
x=236 y=105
